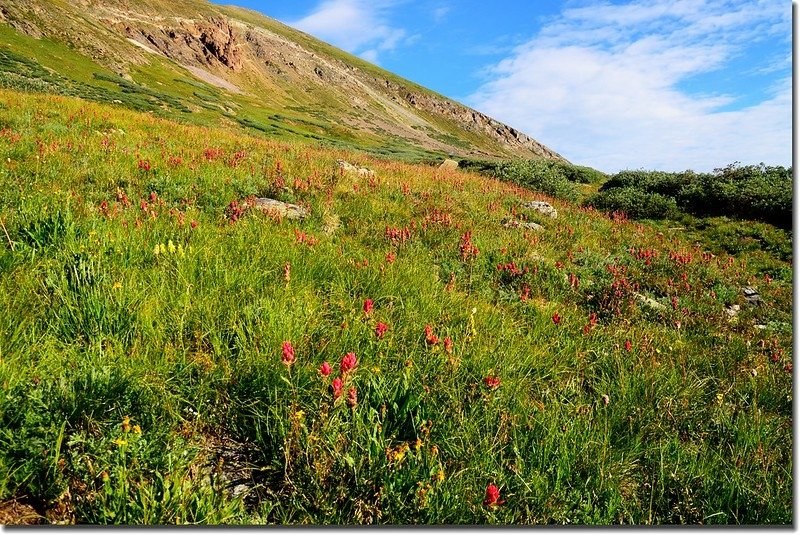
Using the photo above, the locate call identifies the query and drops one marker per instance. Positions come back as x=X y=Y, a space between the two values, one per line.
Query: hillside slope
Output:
x=222 y=64
x=163 y=349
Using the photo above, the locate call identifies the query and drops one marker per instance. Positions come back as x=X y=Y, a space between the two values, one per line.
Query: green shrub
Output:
x=635 y=203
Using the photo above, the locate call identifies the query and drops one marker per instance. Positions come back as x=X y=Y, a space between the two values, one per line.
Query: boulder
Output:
x=542 y=207
x=449 y=165
x=283 y=209
x=752 y=296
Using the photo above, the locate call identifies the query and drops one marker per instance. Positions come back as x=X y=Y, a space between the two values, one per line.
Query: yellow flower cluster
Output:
x=170 y=248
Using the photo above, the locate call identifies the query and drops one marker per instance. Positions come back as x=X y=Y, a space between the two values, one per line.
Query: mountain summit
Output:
x=212 y=64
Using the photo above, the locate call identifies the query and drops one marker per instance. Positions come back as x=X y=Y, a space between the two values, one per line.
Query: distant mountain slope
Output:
x=210 y=64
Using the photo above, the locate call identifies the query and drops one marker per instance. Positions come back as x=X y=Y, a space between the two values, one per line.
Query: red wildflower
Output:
x=368 y=306
x=348 y=362
x=325 y=369
x=556 y=318
x=352 y=396
x=288 y=354
x=492 y=382
x=390 y=257
x=628 y=345
x=194 y=223
x=430 y=338
x=380 y=329
x=493 y=496
x=448 y=344
x=337 y=386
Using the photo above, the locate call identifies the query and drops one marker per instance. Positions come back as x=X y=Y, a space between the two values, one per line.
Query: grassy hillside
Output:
x=205 y=64
x=162 y=352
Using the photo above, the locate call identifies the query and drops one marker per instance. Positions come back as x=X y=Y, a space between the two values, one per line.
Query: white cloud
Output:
x=358 y=26
x=440 y=12
x=601 y=85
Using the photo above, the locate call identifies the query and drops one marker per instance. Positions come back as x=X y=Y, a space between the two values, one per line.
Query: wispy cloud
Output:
x=362 y=27
x=600 y=85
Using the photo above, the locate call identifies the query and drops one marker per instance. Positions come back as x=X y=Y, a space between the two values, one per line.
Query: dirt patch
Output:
x=212 y=79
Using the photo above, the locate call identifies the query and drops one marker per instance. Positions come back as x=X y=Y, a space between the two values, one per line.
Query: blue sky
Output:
x=655 y=84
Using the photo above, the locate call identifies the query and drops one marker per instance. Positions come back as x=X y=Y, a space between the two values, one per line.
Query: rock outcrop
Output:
x=204 y=43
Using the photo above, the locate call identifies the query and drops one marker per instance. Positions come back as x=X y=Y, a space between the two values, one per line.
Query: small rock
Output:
x=542 y=207
x=449 y=165
x=732 y=311
x=649 y=301
x=283 y=209
x=350 y=168
x=530 y=225
x=751 y=295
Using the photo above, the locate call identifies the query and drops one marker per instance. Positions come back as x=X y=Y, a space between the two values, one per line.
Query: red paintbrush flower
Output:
x=348 y=362
x=288 y=354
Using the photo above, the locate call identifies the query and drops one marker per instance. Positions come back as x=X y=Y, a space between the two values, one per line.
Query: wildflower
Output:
x=434 y=451
x=348 y=362
x=119 y=442
x=368 y=306
x=137 y=429
x=439 y=476
x=448 y=345
x=194 y=223
x=337 y=385
x=287 y=272
x=171 y=247
x=606 y=399
x=288 y=354
x=325 y=369
x=390 y=258
x=493 y=496
x=352 y=396
x=430 y=338
x=628 y=346
x=556 y=318
x=157 y=249
x=492 y=382
x=126 y=424
x=117 y=285
x=380 y=329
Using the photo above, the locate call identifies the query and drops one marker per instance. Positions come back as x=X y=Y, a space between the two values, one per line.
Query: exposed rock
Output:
x=649 y=301
x=542 y=207
x=752 y=296
x=530 y=225
x=283 y=209
x=449 y=165
x=200 y=44
x=350 y=168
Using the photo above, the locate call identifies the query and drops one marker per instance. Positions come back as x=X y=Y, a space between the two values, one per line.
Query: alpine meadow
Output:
x=247 y=278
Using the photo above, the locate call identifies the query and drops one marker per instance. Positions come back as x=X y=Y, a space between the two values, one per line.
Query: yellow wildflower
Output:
x=171 y=247
x=126 y=424
x=119 y=442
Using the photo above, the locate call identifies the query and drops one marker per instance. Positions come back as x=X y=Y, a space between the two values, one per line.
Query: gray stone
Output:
x=752 y=296
x=542 y=207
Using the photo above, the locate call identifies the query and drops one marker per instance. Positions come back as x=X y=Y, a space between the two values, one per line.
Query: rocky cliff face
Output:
x=201 y=43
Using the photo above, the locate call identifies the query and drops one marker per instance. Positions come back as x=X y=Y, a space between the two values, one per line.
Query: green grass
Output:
x=141 y=333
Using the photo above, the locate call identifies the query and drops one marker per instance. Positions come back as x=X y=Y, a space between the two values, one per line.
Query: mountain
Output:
x=222 y=65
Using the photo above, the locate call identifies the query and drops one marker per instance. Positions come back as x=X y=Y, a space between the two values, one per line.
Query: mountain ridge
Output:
x=264 y=66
